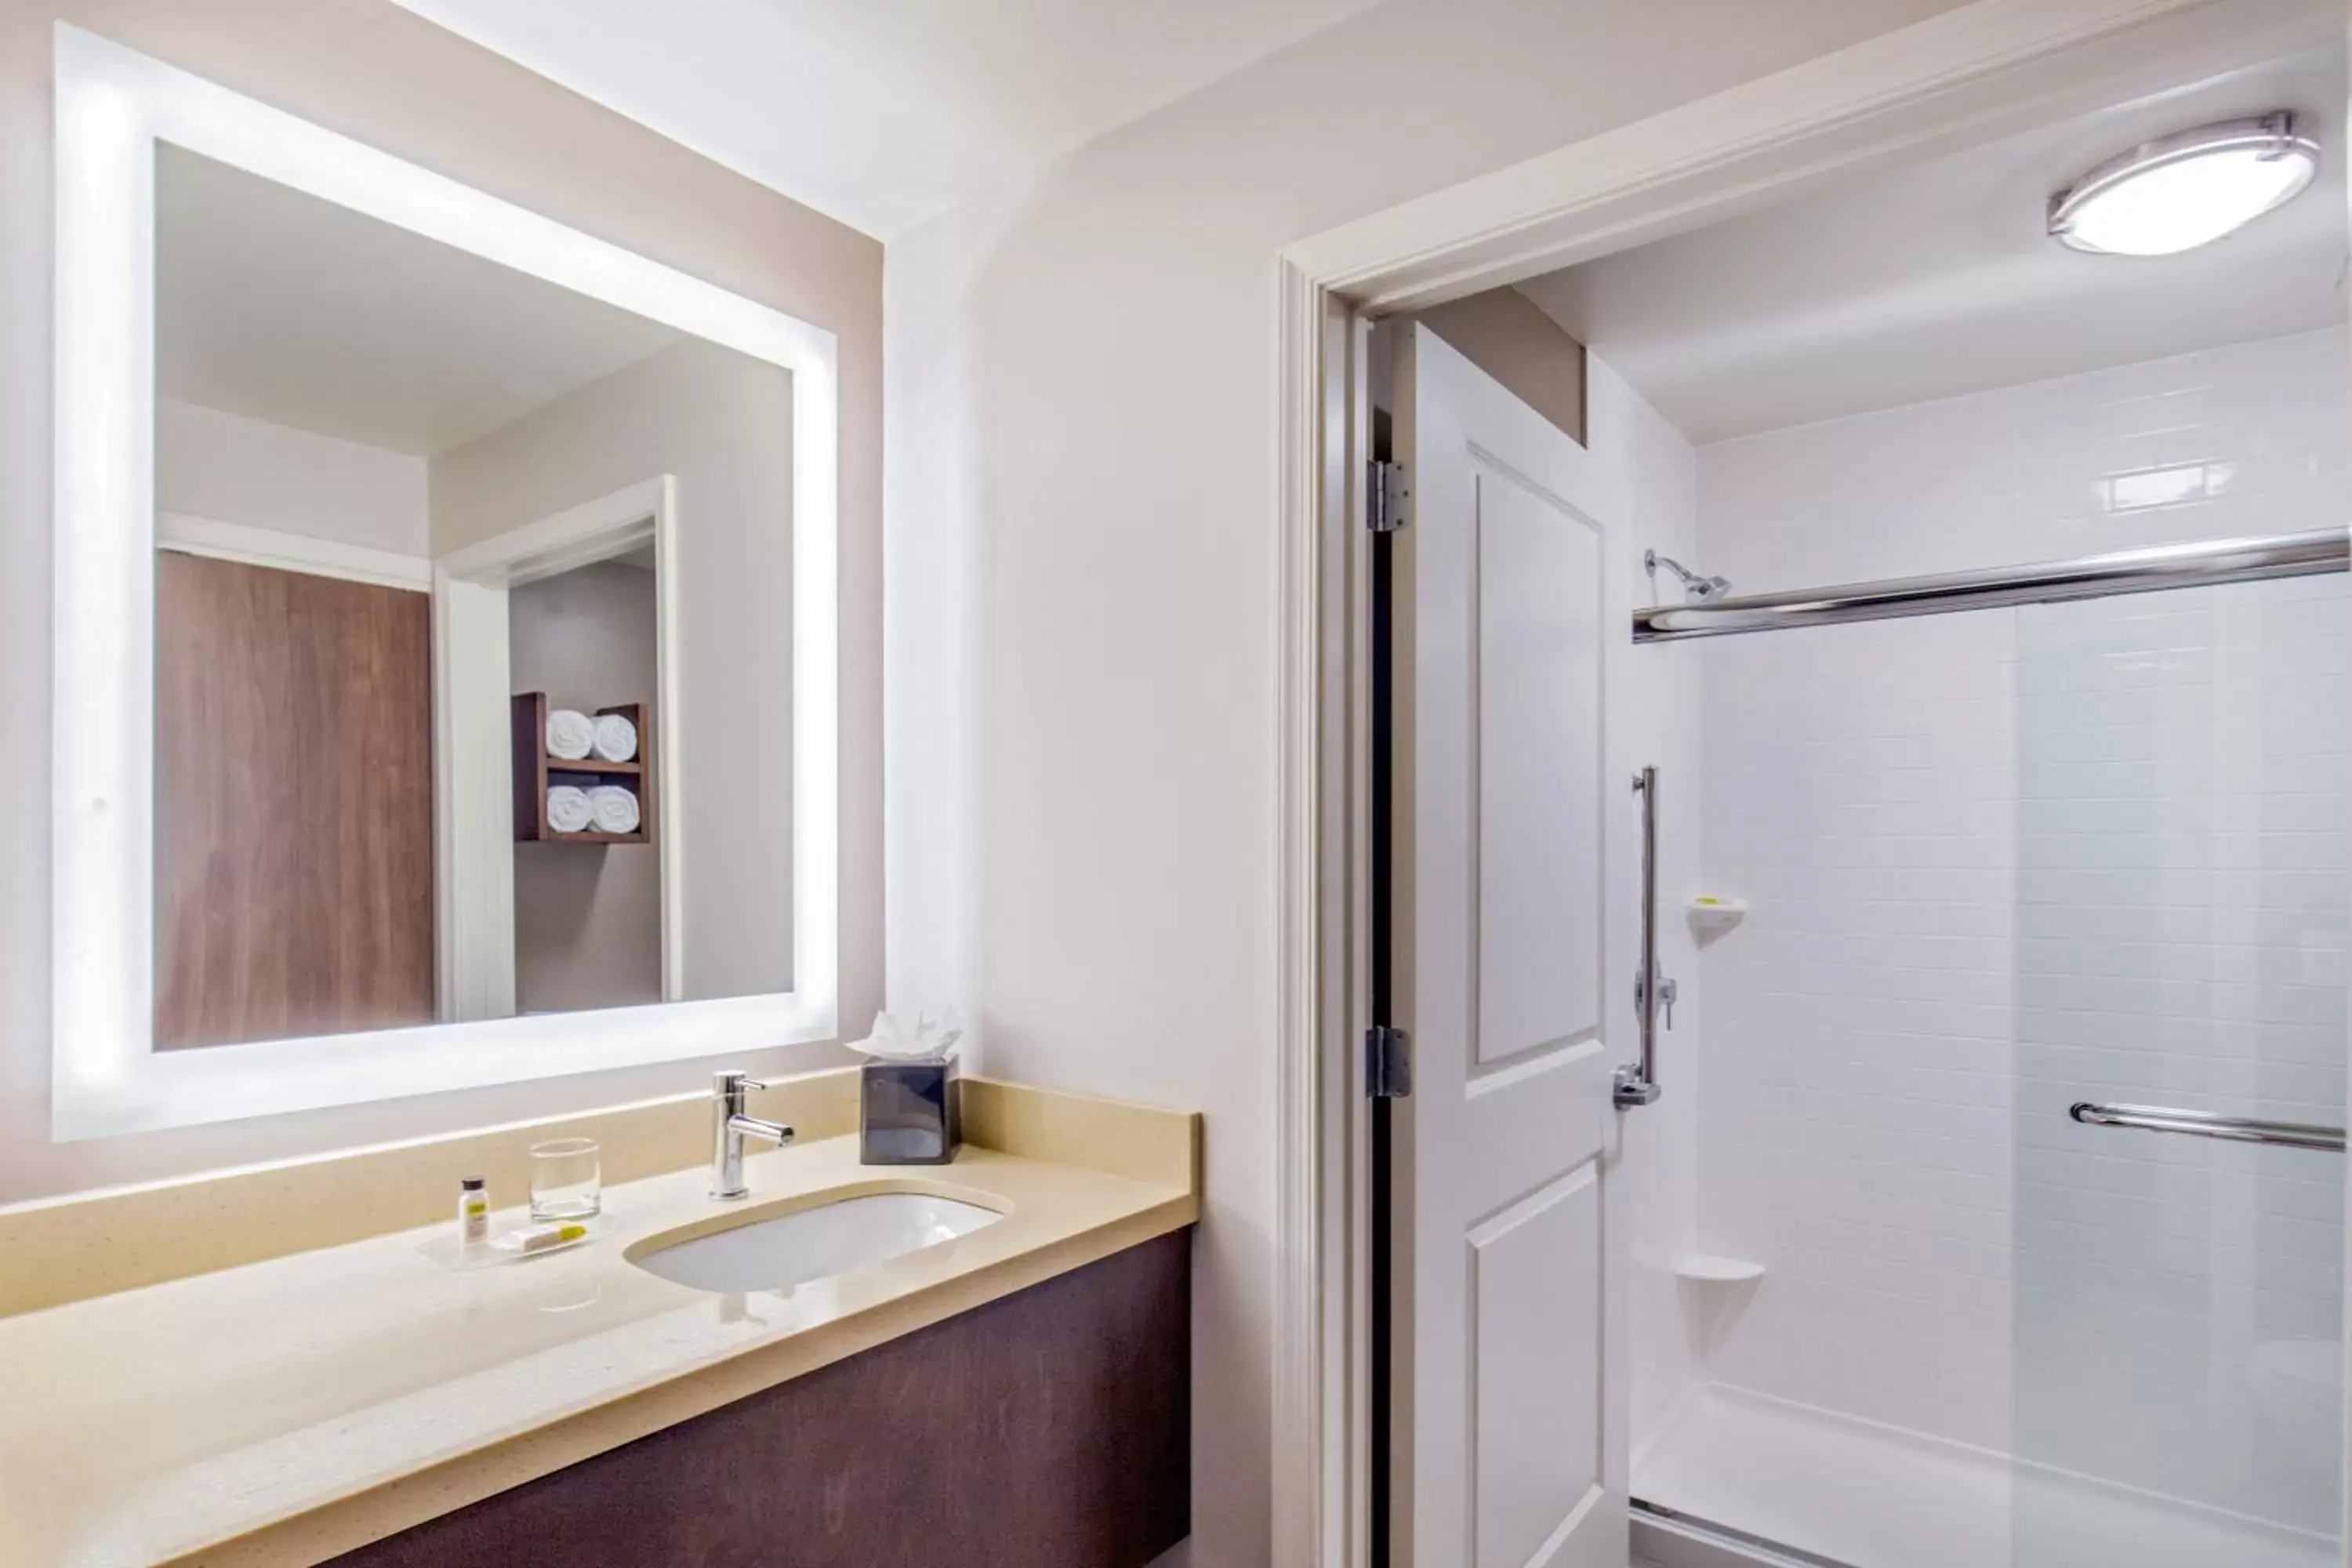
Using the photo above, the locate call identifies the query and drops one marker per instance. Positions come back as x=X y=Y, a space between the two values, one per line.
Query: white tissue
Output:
x=568 y=810
x=570 y=734
x=615 y=809
x=616 y=738
x=927 y=1039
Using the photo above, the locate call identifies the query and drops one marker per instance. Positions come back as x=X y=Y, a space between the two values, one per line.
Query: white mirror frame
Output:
x=112 y=106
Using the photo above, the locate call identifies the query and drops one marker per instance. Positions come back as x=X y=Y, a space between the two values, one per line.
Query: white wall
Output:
x=1653 y=720
x=1855 y=1134
x=2006 y=860
x=721 y=423
x=1081 y=569
x=231 y=468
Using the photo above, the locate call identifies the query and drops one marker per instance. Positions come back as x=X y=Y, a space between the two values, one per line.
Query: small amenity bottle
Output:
x=473 y=1211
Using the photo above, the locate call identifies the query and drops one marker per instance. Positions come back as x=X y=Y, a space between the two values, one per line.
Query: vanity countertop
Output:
x=285 y=1411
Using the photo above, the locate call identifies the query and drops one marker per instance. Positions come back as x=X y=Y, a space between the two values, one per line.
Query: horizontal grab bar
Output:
x=2200 y=1124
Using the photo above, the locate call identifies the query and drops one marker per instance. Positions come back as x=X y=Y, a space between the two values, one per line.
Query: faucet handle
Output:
x=727 y=1083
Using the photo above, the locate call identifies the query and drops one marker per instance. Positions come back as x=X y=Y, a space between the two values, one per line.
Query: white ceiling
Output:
x=884 y=113
x=1938 y=279
x=281 y=307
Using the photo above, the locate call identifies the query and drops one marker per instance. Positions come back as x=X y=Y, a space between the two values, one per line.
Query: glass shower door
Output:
x=2182 y=904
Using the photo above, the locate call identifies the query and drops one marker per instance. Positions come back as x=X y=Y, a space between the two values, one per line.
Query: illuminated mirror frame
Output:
x=112 y=106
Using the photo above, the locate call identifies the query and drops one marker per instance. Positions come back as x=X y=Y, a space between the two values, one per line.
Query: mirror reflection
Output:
x=472 y=634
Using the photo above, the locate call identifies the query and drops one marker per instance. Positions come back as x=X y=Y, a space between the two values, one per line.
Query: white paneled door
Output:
x=1510 y=1390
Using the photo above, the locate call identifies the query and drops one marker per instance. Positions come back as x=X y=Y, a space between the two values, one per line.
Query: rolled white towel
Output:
x=570 y=734
x=616 y=738
x=615 y=808
x=569 y=809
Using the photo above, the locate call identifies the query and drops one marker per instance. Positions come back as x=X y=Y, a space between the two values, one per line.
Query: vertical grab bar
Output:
x=1637 y=1081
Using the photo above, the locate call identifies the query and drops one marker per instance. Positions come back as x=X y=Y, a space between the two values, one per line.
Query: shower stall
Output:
x=1859 y=818
x=1989 y=1193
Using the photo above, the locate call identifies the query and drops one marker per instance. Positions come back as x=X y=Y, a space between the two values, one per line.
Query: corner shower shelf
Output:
x=1705 y=1268
x=1716 y=914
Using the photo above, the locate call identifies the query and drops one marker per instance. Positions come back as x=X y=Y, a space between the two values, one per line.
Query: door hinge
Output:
x=1387 y=497
x=1387 y=1063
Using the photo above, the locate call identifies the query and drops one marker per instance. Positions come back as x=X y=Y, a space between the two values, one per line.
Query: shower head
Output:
x=1696 y=588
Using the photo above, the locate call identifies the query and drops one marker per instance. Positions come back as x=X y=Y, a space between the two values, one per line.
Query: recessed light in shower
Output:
x=2190 y=189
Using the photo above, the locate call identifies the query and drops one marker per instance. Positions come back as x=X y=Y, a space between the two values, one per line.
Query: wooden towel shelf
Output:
x=535 y=771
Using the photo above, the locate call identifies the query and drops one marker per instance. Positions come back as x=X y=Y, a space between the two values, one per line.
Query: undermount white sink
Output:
x=809 y=1243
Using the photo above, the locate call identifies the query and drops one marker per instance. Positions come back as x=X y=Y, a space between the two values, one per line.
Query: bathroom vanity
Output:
x=1047 y=1429
x=1017 y=1393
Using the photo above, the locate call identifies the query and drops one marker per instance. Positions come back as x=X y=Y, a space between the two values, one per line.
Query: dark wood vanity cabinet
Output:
x=1048 y=1429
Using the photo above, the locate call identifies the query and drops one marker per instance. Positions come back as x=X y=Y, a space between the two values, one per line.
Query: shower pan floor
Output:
x=1869 y=1496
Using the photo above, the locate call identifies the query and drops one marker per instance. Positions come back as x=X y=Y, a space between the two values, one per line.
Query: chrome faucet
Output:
x=727 y=1125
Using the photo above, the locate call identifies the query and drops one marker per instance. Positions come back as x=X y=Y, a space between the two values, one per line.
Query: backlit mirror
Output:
x=445 y=630
x=351 y=423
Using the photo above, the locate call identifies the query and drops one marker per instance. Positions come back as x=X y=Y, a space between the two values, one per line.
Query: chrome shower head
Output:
x=1696 y=588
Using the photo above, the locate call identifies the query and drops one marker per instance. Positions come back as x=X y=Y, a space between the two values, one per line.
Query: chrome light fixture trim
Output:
x=2270 y=137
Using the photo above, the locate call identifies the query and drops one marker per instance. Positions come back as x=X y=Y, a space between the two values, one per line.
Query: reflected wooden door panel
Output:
x=293 y=803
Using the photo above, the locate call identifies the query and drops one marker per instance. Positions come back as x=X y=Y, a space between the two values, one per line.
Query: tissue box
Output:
x=907 y=1113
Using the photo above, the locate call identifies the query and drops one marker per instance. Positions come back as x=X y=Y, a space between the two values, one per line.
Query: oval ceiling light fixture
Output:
x=2190 y=189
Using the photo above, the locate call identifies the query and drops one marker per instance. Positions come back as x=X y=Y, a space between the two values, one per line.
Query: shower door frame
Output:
x=1964 y=75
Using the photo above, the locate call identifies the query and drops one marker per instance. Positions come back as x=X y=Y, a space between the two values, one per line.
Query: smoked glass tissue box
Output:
x=907 y=1113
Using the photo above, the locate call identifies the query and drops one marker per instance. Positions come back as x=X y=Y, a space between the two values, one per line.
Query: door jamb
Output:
x=474 y=836
x=1962 y=76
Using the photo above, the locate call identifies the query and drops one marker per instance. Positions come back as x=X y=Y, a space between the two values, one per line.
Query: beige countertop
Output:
x=284 y=1411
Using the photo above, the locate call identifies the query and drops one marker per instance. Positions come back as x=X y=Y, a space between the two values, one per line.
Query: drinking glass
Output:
x=566 y=1179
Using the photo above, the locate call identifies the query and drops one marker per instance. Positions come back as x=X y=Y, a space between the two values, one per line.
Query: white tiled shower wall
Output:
x=2003 y=860
x=1654 y=719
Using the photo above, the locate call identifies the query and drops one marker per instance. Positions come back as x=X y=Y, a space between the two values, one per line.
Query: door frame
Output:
x=1963 y=76
x=281 y=551
x=473 y=754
